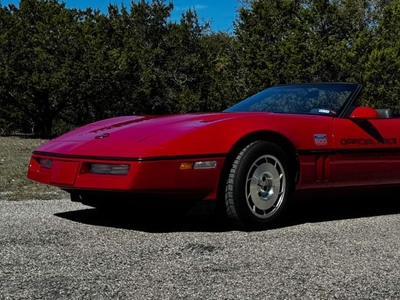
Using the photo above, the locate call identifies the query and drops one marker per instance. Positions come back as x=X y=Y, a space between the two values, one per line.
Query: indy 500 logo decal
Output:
x=320 y=139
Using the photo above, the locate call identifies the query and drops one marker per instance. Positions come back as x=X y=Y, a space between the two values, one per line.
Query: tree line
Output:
x=61 y=68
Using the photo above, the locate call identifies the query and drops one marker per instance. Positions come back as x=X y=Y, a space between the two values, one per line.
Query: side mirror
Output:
x=362 y=112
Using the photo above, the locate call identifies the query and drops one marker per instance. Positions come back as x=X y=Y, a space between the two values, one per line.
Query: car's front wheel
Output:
x=258 y=185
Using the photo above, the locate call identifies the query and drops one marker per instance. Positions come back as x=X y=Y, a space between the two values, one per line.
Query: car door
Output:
x=367 y=149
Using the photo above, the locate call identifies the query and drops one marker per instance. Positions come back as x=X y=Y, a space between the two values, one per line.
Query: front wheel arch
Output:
x=272 y=137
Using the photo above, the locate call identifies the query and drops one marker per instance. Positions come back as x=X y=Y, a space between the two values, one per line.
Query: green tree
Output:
x=107 y=71
x=203 y=66
x=186 y=66
x=383 y=62
x=124 y=62
x=305 y=40
x=273 y=38
x=225 y=73
x=147 y=41
x=9 y=115
x=338 y=29
x=39 y=49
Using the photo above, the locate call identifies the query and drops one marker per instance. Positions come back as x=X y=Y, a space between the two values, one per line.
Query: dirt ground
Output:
x=15 y=153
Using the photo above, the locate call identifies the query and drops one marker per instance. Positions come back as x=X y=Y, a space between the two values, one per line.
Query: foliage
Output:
x=273 y=39
x=383 y=62
x=61 y=68
x=38 y=62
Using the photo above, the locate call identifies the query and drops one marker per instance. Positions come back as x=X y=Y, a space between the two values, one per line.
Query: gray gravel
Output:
x=64 y=250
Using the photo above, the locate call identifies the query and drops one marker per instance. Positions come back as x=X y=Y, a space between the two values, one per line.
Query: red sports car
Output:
x=254 y=156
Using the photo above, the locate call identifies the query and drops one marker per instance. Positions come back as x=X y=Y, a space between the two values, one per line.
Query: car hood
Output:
x=130 y=136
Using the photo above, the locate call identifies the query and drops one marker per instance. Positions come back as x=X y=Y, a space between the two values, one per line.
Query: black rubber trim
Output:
x=316 y=151
x=201 y=156
x=111 y=158
x=347 y=151
x=347 y=107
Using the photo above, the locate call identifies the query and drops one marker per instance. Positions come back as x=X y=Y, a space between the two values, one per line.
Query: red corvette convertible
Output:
x=254 y=156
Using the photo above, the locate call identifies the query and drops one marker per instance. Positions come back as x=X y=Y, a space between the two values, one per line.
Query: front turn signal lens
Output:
x=205 y=165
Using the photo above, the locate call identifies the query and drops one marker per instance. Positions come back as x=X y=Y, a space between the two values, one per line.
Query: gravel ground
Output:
x=64 y=250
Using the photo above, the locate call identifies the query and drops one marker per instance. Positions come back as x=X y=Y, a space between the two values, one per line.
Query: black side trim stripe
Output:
x=348 y=151
x=316 y=151
x=111 y=158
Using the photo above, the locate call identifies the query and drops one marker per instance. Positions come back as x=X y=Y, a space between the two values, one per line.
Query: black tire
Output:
x=258 y=186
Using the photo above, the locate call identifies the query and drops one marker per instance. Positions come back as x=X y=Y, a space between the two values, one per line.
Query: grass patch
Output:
x=15 y=153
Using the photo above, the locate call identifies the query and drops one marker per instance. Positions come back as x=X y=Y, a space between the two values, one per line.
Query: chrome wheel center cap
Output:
x=264 y=186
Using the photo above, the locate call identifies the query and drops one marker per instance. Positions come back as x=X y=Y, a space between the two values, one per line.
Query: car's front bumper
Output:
x=148 y=176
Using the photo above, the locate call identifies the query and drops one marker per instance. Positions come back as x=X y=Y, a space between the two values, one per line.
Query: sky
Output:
x=220 y=13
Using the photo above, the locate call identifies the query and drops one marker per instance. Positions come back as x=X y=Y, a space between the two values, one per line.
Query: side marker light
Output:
x=186 y=166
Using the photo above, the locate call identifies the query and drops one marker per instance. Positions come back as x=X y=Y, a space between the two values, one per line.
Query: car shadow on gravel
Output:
x=319 y=208
x=168 y=221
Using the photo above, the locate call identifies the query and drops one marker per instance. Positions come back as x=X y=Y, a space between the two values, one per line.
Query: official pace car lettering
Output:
x=366 y=142
x=320 y=139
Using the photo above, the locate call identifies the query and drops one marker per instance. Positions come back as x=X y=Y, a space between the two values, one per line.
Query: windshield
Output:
x=327 y=99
